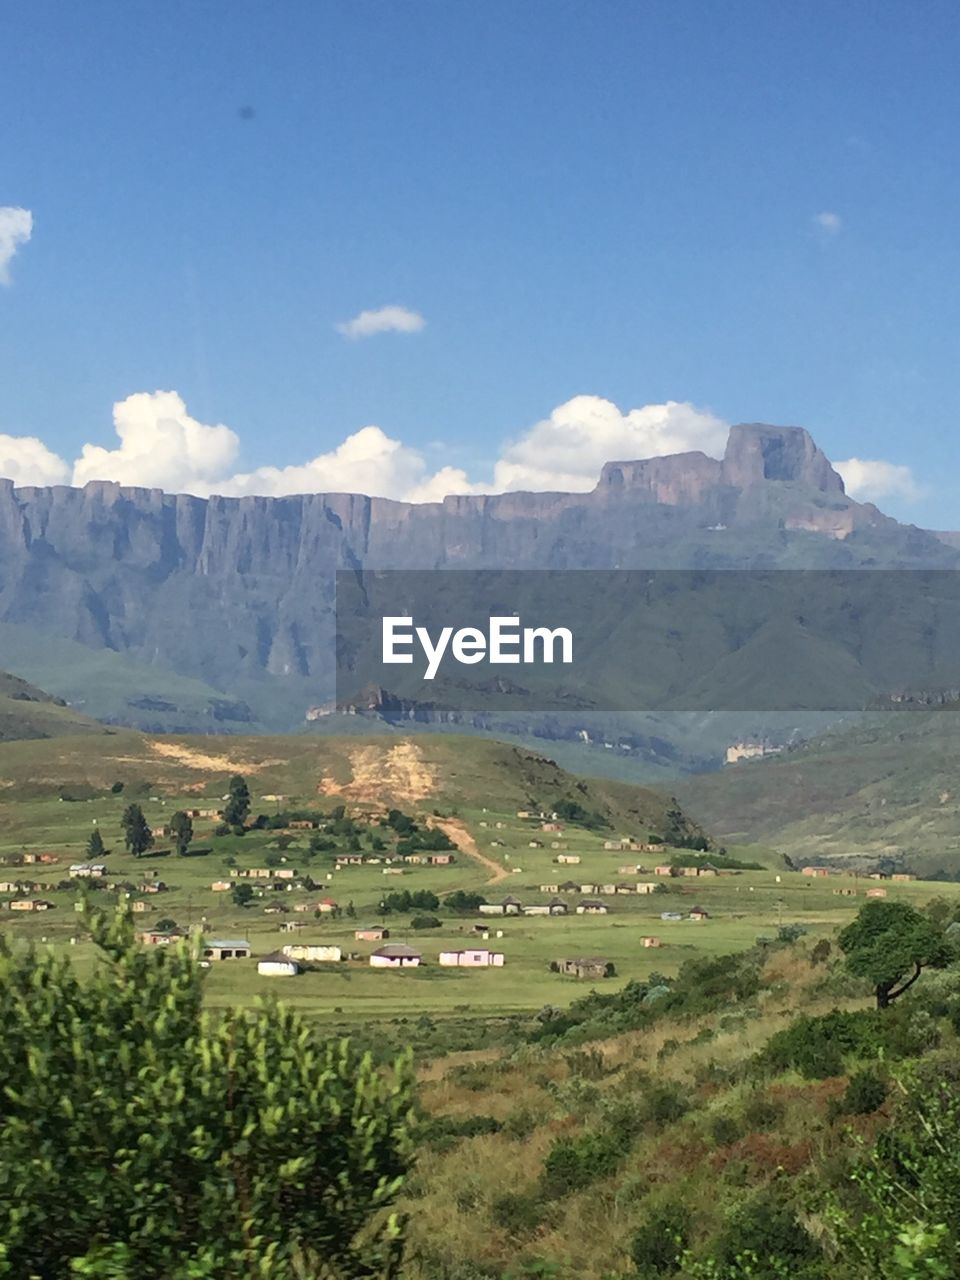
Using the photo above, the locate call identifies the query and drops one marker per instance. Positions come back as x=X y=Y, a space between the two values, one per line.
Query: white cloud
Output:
x=870 y=480
x=567 y=450
x=161 y=446
x=383 y=320
x=368 y=461
x=16 y=228
x=26 y=460
x=829 y=224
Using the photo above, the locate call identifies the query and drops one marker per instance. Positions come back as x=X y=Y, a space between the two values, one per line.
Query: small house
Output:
x=396 y=955
x=699 y=913
x=480 y=958
x=646 y=886
x=227 y=949
x=549 y=888
x=670 y=915
x=818 y=873
x=511 y=906
x=372 y=933
x=569 y=886
x=139 y=907
x=293 y=926
x=650 y=940
x=161 y=937
x=315 y=952
x=327 y=907
x=902 y=876
x=664 y=870
x=585 y=967
x=568 y=859
x=592 y=907
x=30 y=904
x=221 y=886
x=535 y=844
x=278 y=965
x=876 y=893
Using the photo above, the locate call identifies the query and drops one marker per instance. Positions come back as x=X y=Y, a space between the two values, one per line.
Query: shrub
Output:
x=725 y=1130
x=659 y=1241
x=516 y=1213
x=574 y=1163
x=665 y=1103
x=761 y=1113
x=424 y=922
x=767 y=1227
x=866 y=1092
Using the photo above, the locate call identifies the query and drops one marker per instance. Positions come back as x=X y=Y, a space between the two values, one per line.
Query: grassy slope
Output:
x=28 y=712
x=886 y=788
x=745 y=1132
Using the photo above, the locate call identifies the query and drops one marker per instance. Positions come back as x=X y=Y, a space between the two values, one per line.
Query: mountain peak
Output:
x=757 y=452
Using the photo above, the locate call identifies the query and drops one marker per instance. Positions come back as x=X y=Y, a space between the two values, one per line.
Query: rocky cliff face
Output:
x=241 y=589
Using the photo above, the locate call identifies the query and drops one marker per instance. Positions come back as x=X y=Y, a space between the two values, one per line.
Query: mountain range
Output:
x=174 y=613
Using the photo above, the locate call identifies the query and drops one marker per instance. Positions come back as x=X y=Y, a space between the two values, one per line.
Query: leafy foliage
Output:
x=140 y=1137
x=889 y=941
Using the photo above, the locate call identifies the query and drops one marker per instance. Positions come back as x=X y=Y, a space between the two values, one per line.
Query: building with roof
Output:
x=278 y=965
x=227 y=949
x=395 y=955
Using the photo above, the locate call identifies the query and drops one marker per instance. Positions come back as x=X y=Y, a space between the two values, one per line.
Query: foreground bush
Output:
x=140 y=1139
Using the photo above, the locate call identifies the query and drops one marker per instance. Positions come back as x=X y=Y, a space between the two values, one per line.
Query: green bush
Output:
x=660 y=1240
x=574 y=1163
x=866 y=1092
x=766 y=1226
x=138 y=1131
x=517 y=1214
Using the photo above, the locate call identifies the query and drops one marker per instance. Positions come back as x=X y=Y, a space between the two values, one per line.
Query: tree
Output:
x=182 y=1146
x=181 y=828
x=238 y=802
x=242 y=894
x=95 y=845
x=889 y=941
x=136 y=832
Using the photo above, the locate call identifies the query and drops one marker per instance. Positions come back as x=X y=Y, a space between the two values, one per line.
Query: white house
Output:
x=278 y=965
x=395 y=955
x=311 y=951
x=480 y=958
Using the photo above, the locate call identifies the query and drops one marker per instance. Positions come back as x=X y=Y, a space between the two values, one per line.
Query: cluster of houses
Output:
x=28 y=859
x=511 y=906
x=603 y=890
x=821 y=873
x=289 y=960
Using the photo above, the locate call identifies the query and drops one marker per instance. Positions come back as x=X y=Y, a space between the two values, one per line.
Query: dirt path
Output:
x=464 y=841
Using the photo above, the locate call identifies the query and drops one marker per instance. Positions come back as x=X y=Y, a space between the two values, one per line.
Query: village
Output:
x=509 y=902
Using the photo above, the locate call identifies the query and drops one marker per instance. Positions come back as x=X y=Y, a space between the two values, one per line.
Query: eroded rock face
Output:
x=231 y=588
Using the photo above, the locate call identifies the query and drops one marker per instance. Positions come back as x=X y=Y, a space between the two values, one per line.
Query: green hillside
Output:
x=27 y=712
x=885 y=788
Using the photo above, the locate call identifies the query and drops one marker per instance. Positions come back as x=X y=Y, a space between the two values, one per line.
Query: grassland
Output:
x=884 y=787
x=477 y=786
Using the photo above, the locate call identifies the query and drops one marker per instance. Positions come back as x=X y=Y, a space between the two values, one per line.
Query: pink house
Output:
x=480 y=958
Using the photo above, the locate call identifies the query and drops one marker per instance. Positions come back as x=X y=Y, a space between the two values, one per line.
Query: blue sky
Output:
x=611 y=199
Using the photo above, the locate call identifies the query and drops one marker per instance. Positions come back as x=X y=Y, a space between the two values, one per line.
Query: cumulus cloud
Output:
x=871 y=480
x=383 y=320
x=26 y=460
x=567 y=450
x=161 y=446
x=368 y=461
x=829 y=224
x=16 y=228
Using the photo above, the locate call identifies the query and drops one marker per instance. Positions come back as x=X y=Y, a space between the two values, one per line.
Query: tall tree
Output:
x=95 y=846
x=238 y=802
x=181 y=828
x=180 y=1146
x=890 y=944
x=137 y=835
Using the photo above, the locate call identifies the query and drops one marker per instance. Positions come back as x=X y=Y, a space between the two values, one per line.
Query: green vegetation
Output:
x=140 y=1138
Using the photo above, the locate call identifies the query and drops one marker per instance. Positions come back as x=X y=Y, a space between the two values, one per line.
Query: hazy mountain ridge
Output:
x=237 y=593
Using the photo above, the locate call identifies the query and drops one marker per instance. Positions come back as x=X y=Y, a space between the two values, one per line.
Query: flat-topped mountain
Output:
x=219 y=612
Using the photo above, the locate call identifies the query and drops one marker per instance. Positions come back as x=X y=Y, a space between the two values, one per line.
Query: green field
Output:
x=460 y=779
